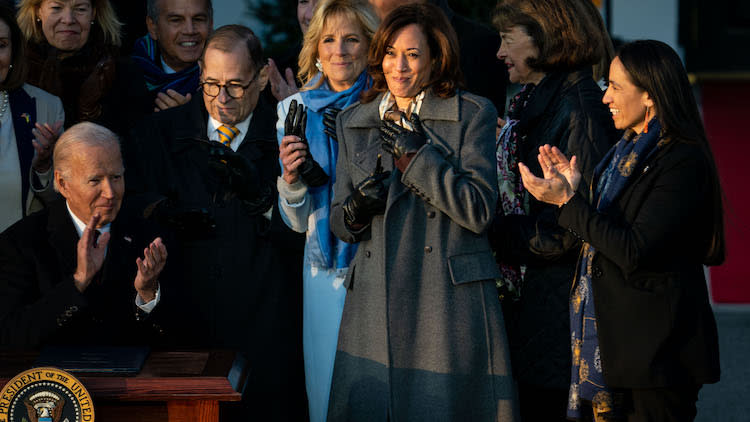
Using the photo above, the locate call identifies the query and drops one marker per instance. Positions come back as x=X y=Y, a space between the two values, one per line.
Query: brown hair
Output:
x=565 y=40
x=104 y=17
x=359 y=11
x=445 y=74
x=17 y=72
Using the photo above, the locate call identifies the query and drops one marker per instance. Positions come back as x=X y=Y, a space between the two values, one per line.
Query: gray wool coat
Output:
x=422 y=335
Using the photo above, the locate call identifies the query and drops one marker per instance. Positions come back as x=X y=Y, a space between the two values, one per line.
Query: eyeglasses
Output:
x=212 y=89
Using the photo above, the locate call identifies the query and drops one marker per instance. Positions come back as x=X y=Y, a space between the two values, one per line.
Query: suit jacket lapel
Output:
x=63 y=236
x=23 y=108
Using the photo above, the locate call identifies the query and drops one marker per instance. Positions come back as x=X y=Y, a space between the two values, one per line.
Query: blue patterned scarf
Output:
x=336 y=253
x=614 y=172
x=146 y=56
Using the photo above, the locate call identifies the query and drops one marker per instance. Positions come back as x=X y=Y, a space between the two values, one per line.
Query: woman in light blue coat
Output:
x=333 y=68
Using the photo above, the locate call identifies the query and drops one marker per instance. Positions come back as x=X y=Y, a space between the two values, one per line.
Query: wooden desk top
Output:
x=185 y=375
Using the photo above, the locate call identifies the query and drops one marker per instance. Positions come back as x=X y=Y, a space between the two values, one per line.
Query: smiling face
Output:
x=626 y=102
x=226 y=68
x=517 y=47
x=342 y=50
x=6 y=50
x=304 y=13
x=181 y=31
x=66 y=24
x=407 y=64
x=92 y=182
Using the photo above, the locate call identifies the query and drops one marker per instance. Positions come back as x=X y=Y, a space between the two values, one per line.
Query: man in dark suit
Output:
x=75 y=273
x=214 y=161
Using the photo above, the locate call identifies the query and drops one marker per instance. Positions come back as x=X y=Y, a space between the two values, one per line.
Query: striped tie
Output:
x=227 y=133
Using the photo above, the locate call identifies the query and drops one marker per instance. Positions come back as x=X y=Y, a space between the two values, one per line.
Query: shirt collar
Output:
x=243 y=126
x=165 y=67
x=81 y=226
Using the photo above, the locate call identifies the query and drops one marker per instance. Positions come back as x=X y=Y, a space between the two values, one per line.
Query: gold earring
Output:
x=645 y=123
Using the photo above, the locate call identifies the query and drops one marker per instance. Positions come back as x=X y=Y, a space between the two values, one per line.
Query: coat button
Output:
x=367 y=254
x=428 y=249
x=430 y=214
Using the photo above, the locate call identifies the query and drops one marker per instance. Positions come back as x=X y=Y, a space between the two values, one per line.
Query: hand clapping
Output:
x=149 y=268
x=561 y=177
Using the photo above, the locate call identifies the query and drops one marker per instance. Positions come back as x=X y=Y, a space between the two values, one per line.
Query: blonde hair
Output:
x=104 y=17
x=359 y=10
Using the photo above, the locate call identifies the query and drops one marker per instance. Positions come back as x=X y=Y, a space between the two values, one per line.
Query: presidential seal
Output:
x=45 y=395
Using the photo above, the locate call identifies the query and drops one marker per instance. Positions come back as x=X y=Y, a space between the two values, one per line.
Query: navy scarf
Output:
x=146 y=56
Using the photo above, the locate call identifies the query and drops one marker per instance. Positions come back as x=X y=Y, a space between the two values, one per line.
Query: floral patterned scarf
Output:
x=513 y=198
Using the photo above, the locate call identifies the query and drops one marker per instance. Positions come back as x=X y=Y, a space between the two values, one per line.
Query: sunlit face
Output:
x=407 y=64
x=66 y=24
x=626 y=102
x=231 y=67
x=342 y=50
x=516 y=47
x=6 y=50
x=181 y=31
x=94 y=183
x=305 y=10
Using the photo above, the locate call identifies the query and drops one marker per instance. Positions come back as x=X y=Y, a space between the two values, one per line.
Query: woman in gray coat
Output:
x=422 y=335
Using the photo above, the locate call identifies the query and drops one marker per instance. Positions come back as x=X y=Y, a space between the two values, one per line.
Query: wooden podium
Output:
x=172 y=386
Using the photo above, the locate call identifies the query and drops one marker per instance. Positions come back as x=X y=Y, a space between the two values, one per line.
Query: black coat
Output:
x=39 y=303
x=566 y=111
x=242 y=279
x=655 y=325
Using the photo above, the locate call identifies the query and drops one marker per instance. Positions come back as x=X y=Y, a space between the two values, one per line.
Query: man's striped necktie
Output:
x=226 y=134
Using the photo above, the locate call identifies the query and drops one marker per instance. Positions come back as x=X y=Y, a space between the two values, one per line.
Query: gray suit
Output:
x=422 y=335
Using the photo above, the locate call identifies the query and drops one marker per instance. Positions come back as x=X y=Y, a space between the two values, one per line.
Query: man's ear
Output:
x=60 y=183
x=151 y=26
x=263 y=77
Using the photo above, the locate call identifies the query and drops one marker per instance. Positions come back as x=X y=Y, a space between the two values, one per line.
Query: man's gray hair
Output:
x=152 y=9
x=81 y=134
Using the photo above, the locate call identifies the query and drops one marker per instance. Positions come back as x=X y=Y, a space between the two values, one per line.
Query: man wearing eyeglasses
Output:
x=209 y=168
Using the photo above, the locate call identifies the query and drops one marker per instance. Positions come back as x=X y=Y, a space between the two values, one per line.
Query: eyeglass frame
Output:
x=244 y=87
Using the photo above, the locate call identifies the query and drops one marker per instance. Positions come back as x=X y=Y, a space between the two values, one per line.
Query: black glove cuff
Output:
x=312 y=174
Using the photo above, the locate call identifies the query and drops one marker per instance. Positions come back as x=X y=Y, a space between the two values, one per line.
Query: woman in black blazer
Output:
x=643 y=334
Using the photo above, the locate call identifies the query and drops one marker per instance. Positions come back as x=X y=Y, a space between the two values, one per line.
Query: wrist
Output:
x=147 y=295
x=567 y=199
x=81 y=281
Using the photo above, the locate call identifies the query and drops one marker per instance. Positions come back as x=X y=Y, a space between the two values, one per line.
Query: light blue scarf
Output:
x=335 y=253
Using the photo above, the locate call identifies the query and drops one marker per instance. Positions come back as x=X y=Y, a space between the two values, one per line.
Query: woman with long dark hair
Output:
x=643 y=334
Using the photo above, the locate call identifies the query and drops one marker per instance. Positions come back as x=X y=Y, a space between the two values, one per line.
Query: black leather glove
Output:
x=295 y=124
x=329 y=122
x=368 y=199
x=185 y=222
x=401 y=142
x=240 y=173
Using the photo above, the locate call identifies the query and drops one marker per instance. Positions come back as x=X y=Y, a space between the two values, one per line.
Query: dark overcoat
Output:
x=655 y=324
x=242 y=278
x=565 y=110
x=422 y=336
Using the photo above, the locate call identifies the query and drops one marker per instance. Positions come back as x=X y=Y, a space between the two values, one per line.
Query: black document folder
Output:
x=108 y=360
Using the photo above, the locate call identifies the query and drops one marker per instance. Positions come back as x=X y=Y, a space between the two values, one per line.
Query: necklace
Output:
x=3 y=105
